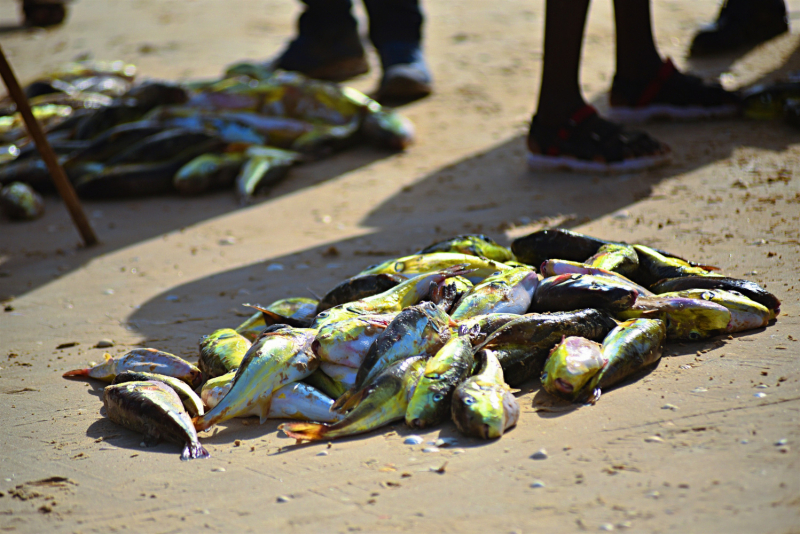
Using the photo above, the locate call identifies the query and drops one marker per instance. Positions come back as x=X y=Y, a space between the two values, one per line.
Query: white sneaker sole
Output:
x=670 y=112
x=540 y=163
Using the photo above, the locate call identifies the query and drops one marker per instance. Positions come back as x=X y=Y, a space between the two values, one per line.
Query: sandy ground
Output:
x=171 y=269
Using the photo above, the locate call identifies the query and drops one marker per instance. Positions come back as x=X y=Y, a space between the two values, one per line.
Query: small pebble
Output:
x=322 y=453
x=172 y=298
x=227 y=241
x=274 y=267
x=108 y=292
x=625 y=524
x=608 y=527
x=653 y=439
x=459 y=451
x=537 y=484
x=744 y=442
x=283 y=498
x=762 y=386
x=781 y=442
x=699 y=390
x=654 y=494
x=104 y=343
x=413 y=440
x=218 y=470
x=669 y=407
x=430 y=449
x=444 y=442
x=759 y=395
x=784 y=449
x=541 y=454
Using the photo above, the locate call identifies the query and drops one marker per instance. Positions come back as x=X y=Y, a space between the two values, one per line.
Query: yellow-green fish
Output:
x=570 y=365
x=147 y=360
x=222 y=351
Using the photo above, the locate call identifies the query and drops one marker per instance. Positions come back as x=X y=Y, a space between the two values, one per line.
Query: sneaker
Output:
x=405 y=74
x=670 y=95
x=332 y=61
x=741 y=24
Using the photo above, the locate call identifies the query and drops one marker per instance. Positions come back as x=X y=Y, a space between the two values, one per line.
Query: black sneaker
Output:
x=741 y=24
x=334 y=61
x=405 y=74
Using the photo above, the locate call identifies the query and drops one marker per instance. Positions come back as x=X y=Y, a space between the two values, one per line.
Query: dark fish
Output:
x=62 y=147
x=654 y=266
x=577 y=291
x=32 y=172
x=164 y=146
x=114 y=141
x=358 y=287
x=93 y=124
x=747 y=288
x=155 y=410
x=151 y=94
x=555 y=243
x=522 y=346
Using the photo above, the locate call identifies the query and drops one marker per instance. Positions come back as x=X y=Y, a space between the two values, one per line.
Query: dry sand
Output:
x=687 y=447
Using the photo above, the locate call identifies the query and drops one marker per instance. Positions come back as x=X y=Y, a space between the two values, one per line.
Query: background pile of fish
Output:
x=441 y=334
x=116 y=138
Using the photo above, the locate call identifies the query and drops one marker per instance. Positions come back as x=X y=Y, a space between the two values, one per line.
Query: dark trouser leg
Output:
x=393 y=21
x=327 y=20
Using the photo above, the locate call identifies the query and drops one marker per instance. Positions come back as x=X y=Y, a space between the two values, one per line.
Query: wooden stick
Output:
x=60 y=180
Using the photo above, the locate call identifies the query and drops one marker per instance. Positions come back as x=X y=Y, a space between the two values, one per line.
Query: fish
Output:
x=342 y=374
x=208 y=172
x=510 y=291
x=616 y=257
x=654 y=266
x=480 y=327
x=483 y=406
x=191 y=402
x=473 y=244
x=295 y=311
x=146 y=360
x=330 y=387
x=263 y=167
x=381 y=126
x=358 y=287
x=32 y=172
x=767 y=101
x=685 y=318
x=558 y=267
x=20 y=202
x=275 y=359
x=522 y=345
x=577 y=291
x=555 y=243
x=747 y=288
x=417 y=330
x=164 y=146
x=222 y=351
x=746 y=314
x=417 y=264
x=154 y=93
x=570 y=366
x=292 y=401
x=120 y=111
x=8 y=153
x=347 y=342
x=631 y=346
x=155 y=410
x=448 y=292
x=113 y=141
x=129 y=180
x=430 y=403
x=383 y=401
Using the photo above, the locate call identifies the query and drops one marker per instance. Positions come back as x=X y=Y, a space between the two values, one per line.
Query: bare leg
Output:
x=637 y=57
x=560 y=94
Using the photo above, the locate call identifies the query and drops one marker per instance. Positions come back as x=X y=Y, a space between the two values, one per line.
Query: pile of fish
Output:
x=119 y=139
x=441 y=334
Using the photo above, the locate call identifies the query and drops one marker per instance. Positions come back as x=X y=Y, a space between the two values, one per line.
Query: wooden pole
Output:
x=60 y=180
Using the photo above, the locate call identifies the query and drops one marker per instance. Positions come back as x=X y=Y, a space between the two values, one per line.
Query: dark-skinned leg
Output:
x=560 y=93
x=637 y=57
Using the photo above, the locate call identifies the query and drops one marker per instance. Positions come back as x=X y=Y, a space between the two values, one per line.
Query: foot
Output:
x=588 y=143
x=741 y=24
x=670 y=94
x=335 y=61
x=405 y=74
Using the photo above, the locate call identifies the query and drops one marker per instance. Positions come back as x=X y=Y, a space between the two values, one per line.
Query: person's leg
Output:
x=740 y=24
x=327 y=45
x=566 y=132
x=395 y=28
x=646 y=87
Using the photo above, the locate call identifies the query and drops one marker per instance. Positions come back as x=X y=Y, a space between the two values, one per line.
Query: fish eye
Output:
x=433 y=376
x=544 y=375
x=399 y=266
x=496 y=273
x=469 y=401
x=437 y=397
x=669 y=322
x=707 y=295
x=694 y=336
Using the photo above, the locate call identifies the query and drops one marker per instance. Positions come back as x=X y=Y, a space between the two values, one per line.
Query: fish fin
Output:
x=106 y=356
x=193 y=451
x=353 y=400
x=594 y=397
x=264 y=415
x=304 y=431
x=276 y=318
x=338 y=403
x=77 y=372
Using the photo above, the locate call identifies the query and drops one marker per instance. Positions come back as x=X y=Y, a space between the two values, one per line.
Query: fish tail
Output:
x=594 y=397
x=77 y=372
x=193 y=451
x=304 y=431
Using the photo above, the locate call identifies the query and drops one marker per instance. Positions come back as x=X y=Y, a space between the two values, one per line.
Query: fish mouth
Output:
x=564 y=386
x=417 y=423
x=484 y=431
